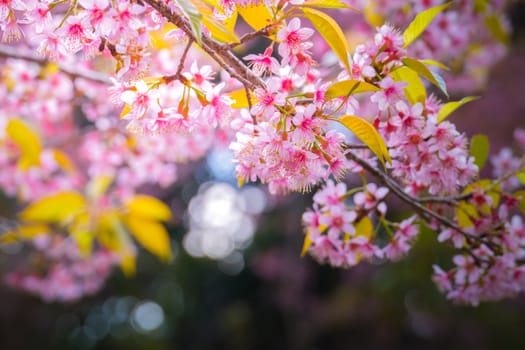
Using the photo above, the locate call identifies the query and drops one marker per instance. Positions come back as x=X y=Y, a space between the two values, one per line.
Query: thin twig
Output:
x=410 y=200
x=249 y=99
x=221 y=54
x=73 y=72
x=250 y=36
x=178 y=73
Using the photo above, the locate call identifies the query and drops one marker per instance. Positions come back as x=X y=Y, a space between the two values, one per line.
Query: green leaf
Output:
x=450 y=107
x=494 y=25
x=195 y=17
x=331 y=32
x=426 y=73
x=27 y=141
x=521 y=176
x=347 y=87
x=151 y=235
x=489 y=187
x=479 y=149
x=480 y=6
x=366 y=132
x=520 y=196
x=415 y=90
x=464 y=213
x=421 y=22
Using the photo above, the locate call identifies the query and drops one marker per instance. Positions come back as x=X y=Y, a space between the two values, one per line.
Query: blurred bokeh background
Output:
x=238 y=282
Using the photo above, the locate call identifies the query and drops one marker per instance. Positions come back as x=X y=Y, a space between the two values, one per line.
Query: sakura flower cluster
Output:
x=426 y=155
x=491 y=268
x=492 y=233
x=463 y=37
x=286 y=144
x=64 y=274
x=334 y=229
x=340 y=231
x=282 y=114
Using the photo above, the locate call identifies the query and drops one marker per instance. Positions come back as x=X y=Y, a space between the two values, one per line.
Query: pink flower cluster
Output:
x=491 y=269
x=331 y=227
x=458 y=37
x=506 y=162
x=493 y=237
x=63 y=274
x=426 y=155
x=342 y=234
x=115 y=28
x=286 y=144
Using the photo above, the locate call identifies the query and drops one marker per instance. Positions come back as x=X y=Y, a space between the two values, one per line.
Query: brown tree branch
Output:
x=220 y=53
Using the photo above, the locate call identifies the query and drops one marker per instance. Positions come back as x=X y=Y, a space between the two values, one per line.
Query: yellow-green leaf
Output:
x=125 y=111
x=489 y=187
x=464 y=213
x=480 y=6
x=331 y=32
x=520 y=196
x=257 y=16
x=415 y=90
x=48 y=70
x=151 y=235
x=158 y=37
x=479 y=149
x=128 y=264
x=347 y=87
x=366 y=132
x=494 y=25
x=57 y=208
x=218 y=30
x=195 y=17
x=364 y=227
x=240 y=182
x=63 y=161
x=450 y=107
x=329 y=4
x=521 y=176
x=98 y=186
x=27 y=140
x=306 y=244
x=426 y=73
x=147 y=207
x=240 y=98
x=372 y=15
x=84 y=241
x=421 y=22
x=24 y=232
x=434 y=63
